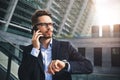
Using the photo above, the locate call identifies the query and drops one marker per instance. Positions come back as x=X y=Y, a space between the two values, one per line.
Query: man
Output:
x=47 y=58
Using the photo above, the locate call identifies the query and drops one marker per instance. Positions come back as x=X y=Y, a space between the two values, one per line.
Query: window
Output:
x=97 y=56
x=115 y=56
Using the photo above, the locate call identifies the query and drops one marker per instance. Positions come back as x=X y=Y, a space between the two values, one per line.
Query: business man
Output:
x=47 y=58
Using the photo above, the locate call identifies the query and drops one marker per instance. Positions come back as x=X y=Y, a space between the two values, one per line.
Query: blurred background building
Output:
x=73 y=21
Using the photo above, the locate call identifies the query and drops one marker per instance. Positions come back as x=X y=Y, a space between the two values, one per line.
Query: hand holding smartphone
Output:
x=36 y=37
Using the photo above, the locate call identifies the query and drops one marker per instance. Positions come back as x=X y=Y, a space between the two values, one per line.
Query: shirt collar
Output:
x=50 y=44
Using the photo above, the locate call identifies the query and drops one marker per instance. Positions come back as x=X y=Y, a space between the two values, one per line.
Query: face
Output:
x=45 y=25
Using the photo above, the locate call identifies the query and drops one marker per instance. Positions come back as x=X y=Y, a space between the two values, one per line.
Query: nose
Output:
x=49 y=28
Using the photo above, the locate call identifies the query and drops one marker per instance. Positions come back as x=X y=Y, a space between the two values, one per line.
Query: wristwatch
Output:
x=66 y=64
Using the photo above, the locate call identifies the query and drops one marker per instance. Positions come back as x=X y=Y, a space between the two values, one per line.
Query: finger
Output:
x=55 y=66
x=50 y=69
x=38 y=31
x=55 y=70
x=35 y=32
x=37 y=35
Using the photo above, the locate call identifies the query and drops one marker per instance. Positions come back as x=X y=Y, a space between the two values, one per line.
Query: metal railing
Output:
x=10 y=56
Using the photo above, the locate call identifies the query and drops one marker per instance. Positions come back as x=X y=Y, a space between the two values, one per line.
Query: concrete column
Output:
x=80 y=15
x=49 y=4
x=106 y=59
x=89 y=54
x=65 y=16
x=10 y=11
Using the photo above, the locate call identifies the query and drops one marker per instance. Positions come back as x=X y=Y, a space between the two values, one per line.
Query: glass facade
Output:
x=70 y=16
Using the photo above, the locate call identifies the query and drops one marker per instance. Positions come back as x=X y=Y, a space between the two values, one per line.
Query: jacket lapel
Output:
x=40 y=61
x=55 y=53
x=55 y=49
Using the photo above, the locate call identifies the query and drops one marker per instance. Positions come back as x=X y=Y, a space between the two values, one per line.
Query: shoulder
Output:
x=27 y=48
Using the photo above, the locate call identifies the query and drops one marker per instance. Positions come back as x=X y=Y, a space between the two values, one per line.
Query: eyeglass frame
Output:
x=44 y=24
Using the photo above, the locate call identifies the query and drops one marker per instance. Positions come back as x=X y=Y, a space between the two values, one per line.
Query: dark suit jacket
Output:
x=32 y=68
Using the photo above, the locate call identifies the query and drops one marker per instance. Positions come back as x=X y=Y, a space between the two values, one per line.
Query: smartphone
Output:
x=34 y=29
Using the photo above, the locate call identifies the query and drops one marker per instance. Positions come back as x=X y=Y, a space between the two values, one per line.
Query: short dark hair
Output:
x=37 y=14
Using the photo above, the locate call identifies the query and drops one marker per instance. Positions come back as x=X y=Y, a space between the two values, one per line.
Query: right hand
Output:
x=55 y=66
x=35 y=39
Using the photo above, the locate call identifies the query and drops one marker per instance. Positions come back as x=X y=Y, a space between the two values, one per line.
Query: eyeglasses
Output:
x=44 y=24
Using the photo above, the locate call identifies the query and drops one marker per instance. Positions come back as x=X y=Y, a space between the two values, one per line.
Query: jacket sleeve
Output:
x=78 y=63
x=25 y=68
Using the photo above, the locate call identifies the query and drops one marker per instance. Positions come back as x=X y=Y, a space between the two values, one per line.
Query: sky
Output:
x=108 y=12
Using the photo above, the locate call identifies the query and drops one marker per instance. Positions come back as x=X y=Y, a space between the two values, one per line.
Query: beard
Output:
x=45 y=38
x=47 y=35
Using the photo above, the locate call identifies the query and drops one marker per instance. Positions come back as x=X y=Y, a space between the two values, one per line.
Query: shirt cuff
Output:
x=68 y=67
x=35 y=52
